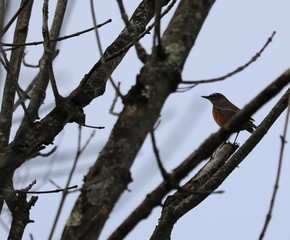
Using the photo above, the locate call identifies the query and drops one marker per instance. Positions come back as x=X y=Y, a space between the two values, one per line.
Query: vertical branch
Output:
x=13 y=74
x=164 y=174
x=42 y=79
x=96 y=29
x=2 y=15
x=157 y=34
x=47 y=50
x=21 y=213
x=100 y=45
x=80 y=150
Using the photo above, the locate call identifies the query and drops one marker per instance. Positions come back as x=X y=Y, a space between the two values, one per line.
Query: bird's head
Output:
x=215 y=97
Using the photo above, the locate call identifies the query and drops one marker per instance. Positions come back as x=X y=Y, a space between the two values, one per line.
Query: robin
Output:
x=223 y=110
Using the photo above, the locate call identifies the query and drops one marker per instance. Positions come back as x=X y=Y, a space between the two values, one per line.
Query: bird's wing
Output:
x=227 y=112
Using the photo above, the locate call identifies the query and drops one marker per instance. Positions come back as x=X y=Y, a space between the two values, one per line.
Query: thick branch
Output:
x=109 y=177
x=11 y=81
x=191 y=188
x=21 y=216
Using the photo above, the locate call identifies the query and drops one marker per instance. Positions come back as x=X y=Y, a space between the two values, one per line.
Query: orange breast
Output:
x=219 y=118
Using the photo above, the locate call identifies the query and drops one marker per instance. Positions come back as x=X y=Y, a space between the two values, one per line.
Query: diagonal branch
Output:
x=14 y=17
x=204 y=151
x=141 y=52
x=236 y=159
x=177 y=201
x=142 y=105
x=276 y=186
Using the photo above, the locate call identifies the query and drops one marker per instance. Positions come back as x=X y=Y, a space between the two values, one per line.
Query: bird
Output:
x=223 y=110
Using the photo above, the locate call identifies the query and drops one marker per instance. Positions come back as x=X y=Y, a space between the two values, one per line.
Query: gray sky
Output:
x=232 y=34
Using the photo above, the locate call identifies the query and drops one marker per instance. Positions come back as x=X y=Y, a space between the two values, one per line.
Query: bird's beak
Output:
x=206 y=97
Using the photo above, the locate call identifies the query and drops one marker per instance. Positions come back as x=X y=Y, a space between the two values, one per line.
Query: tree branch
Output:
x=143 y=104
x=233 y=162
x=42 y=79
x=16 y=45
x=276 y=186
x=204 y=151
x=230 y=74
x=176 y=202
x=13 y=73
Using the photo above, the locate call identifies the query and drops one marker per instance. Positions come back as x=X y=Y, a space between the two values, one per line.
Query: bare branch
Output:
x=48 y=52
x=239 y=69
x=117 y=94
x=157 y=30
x=141 y=52
x=96 y=29
x=276 y=186
x=175 y=205
x=154 y=198
x=41 y=192
x=42 y=78
x=27 y=91
x=80 y=150
x=5 y=29
x=140 y=36
x=164 y=174
x=13 y=73
x=15 y=45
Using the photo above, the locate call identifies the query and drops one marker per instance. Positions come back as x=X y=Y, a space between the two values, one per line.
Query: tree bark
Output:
x=159 y=77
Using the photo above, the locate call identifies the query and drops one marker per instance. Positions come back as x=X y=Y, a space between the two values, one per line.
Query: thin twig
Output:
x=31 y=85
x=127 y=47
x=117 y=94
x=117 y=88
x=20 y=96
x=164 y=173
x=48 y=51
x=123 y=12
x=15 y=45
x=239 y=69
x=5 y=62
x=48 y=153
x=141 y=52
x=100 y=46
x=148 y=29
x=39 y=192
x=96 y=29
x=157 y=34
x=276 y=186
x=80 y=150
x=56 y=94
x=54 y=183
x=154 y=198
x=90 y=126
x=28 y=64
x=48 y=191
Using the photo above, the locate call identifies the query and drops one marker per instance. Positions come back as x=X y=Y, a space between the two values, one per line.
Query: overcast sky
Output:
x=233 y=32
